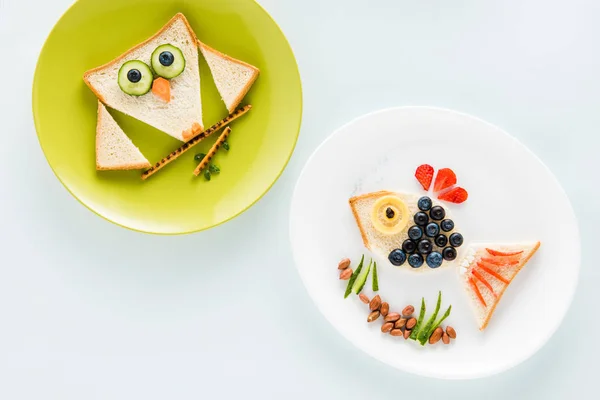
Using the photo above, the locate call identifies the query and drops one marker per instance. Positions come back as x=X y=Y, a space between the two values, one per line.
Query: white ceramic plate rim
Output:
x=576 y=260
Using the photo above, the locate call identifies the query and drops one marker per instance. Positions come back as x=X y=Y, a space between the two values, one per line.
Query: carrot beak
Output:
x=162 y=89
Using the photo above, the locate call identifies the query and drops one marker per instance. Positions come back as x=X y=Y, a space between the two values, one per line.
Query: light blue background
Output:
x=85 y=314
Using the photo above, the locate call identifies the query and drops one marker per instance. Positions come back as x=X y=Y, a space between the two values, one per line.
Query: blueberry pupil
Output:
x=389 y=213
x=134 y=75
x=166 y=58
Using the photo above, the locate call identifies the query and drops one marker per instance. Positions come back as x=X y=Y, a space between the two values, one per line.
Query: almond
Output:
x=406 y=334
x=411 y=323
x=400 y=323
x=408 y=310
x=392 y=317
x=385 y=308
x=345 y=263
x=373 y=316
x=451 y=332
x=375 y=303
x=363 y=297
x=445 y=338
x=436 y=335
x=346 y=274
x=396 y=332
x=388 y=326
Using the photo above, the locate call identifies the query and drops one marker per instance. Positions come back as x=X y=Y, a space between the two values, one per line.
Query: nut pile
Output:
x=394 y=323
x=401 y=324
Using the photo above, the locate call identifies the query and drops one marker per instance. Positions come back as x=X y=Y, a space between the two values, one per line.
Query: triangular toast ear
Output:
x=488 y=270
x=233 y=78
x=184 y=110
x=114 y=150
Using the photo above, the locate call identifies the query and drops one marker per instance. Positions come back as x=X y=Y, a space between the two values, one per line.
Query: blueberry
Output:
x=456 y=239
x=415 y=260
x=166 y=58
x=449 y=253
x=421 y=218
x=434 y=259
x=424 y=246
x=397 y=257
x=447 y=225
x=409 y=246
x=134 y=75
x=437 y=213
x=441 y=240
x=415 y=232
x=424 y=203
x=389 y=213
x=432 y=229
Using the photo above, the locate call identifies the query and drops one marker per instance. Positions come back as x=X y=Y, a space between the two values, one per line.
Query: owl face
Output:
x=136 y=78
x=156 y=81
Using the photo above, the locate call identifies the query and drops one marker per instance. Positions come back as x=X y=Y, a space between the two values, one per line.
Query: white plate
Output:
x=513 y=198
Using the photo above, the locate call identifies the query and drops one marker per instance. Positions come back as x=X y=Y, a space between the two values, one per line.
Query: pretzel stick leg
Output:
x=195 y=140
x=213 y=150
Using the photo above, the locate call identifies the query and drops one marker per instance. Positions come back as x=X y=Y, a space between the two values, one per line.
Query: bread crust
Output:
x=486 y=321
x=177 y=17
x=352 y=201
x=127 y=167
x=255 y=72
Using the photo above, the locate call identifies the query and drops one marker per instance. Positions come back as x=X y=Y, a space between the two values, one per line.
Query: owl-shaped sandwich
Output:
x=158 y=82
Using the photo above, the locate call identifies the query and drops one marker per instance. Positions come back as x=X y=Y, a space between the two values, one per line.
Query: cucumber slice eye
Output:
x=167 y=61
x=135 y=78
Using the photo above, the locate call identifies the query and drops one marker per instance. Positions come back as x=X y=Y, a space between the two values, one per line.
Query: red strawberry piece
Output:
x=444 y=179
x=424 y=175
x=457 y=195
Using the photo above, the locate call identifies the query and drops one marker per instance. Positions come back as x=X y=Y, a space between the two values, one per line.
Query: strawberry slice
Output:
x=476 y=290
x=493 y=273
x=503 y=253
x=499 y=263
x=424 y=175
x=444 y=179
x=457 y=195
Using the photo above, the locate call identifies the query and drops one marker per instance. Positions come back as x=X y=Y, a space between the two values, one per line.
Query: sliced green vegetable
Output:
x=415 y=331
x=214 y=169
x=135 y=78
x=422 y=335
x=199 y=157
x=375 y=279
x=167 y=61
x=353 y=277
x=226 y=145
x=359 y=284
x=207 y=175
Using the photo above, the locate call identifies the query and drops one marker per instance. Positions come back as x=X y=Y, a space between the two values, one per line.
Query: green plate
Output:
x=172 y=201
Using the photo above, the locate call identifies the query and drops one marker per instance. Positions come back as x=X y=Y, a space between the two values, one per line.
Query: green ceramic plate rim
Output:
x=260 y=196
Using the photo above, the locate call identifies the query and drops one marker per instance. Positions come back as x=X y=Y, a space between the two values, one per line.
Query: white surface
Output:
x=323 y=231
x=87 y=314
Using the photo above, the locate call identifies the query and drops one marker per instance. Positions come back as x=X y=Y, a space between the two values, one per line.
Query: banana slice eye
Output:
x=390 y=215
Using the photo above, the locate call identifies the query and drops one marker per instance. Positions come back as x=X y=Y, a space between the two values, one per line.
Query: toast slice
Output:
x=487 y=271
x=380 y=243
x=233 y=78
x=184 y=110
x=114 y=150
